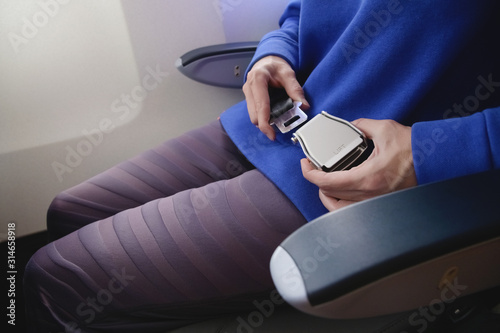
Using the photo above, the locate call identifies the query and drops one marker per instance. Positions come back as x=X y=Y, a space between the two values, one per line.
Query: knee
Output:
x=30 y=272
x=64 y=217
x=36 y=288
x=56 y=208
x=58 y=218
x=33 y=298
x=37 y=269
x=48 y=303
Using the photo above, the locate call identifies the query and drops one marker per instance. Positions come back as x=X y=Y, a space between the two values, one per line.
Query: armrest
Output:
x=397 y=252
x=221 y=65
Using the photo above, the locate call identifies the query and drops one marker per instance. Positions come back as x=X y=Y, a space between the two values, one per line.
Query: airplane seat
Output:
x=408 y=261
x=431 y=247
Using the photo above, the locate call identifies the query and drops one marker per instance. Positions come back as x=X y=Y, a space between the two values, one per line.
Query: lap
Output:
x=194 y=159
x=171 y=260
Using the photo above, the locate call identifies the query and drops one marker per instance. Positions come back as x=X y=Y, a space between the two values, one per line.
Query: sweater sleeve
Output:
x=284 y=41
x=450 y=148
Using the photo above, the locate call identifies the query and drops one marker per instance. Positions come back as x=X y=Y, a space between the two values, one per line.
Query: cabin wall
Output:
x=87 y=84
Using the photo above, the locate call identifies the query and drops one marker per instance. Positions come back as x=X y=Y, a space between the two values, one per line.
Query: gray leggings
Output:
x=182 y=233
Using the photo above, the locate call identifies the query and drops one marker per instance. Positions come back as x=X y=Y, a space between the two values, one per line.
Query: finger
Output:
x=333 y=204
x=345 y=185
x=294 y=90
x=329 y=202
x=258 y=111
x=370 y=127
x=324 y=180
x=260 y=93
x=310 y=173
x=359 y=122
x=306 y=166
x=263 y=124
x=250 y=103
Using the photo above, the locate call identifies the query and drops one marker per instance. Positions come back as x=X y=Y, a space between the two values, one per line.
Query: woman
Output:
x=184 y=232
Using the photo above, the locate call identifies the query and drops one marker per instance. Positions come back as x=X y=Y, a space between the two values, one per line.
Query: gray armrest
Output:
x=412 y=248
x=221 y=65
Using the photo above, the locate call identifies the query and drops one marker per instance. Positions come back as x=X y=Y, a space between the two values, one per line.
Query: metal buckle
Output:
x=290 y=119
x=331 y=143
x=285 y=113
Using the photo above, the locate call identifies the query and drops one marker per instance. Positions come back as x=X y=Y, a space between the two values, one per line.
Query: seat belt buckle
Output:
x=332 y=144
x=285 y=114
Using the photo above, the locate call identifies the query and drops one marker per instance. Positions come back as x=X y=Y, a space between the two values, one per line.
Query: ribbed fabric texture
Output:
x=185 y=232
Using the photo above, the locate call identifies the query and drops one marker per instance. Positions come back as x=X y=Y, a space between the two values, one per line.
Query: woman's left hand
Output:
x=387 y=169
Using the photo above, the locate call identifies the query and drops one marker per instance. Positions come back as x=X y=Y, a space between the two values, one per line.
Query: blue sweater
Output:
x=434 y=65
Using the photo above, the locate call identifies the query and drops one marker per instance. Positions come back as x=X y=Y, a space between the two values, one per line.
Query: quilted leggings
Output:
x=181 y=233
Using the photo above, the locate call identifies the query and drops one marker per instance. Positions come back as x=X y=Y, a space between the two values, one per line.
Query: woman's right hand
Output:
x=271 y=71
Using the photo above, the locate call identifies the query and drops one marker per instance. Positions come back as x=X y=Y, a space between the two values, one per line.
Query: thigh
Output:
x=192 y=160
x=175 y=260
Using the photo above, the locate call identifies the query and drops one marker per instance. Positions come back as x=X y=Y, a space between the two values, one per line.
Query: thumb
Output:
x=296 y=93
x=367 y=126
